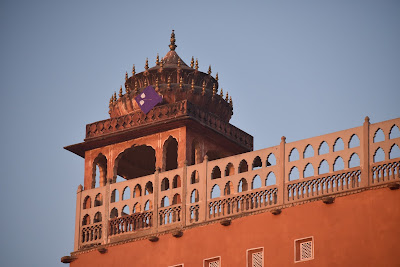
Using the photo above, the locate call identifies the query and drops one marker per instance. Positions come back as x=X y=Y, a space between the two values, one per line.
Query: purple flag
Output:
x=148 y=99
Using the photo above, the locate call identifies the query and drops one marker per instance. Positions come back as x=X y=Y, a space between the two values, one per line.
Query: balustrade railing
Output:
x=92 y=233
x=169 y=215
x=385 y=171
x=130 y=223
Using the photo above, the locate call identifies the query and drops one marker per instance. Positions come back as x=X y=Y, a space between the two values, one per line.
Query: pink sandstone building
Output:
x=194 y=193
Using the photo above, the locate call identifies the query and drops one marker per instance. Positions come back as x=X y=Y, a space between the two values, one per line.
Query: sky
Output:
x=293 y=68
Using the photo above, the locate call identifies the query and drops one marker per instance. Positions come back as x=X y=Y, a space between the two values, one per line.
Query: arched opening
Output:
x=394 y=132
x=196 y=153
x=114 y=196
x=97 y=217
x=379 y=136
x=228 y=188
x=338 y=165
x=394 y=152
x=134 y=162
x=164 y=202
x=137 y=191
x=126 y=193
x=216 y=173
x=125 y=210
x=338 y=145
x=271 y=160
x=170 y=154
x=194 y=196
x=229 y=170
x=87 y=203
x=98 y=201
x=176 y=199
x=148 y=188
x=243 y=167
x=164 y=184
x=86 y=220
x=257 y=164
x=308 y=152
x=354 y=161
x=294 y=174
x=308 y=170
x=256 y=183
x=148 y=205
x=354 y=141
x=379 y=155
x=323 y=167
x=99 y=171
x=294 y=154
x=114 y=213
x=176 y=183
x=215 y=191
x=271 y=179
x=194 y=177
x=136 y=208
x=242 y=186
x=323 y=148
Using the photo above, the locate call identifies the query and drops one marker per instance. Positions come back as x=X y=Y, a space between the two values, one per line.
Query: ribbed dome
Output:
x=175 y=81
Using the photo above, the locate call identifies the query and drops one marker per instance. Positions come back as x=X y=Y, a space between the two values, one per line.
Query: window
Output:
x=255 y=257
x=212 y=262
x=178 y=265
x=304 y=249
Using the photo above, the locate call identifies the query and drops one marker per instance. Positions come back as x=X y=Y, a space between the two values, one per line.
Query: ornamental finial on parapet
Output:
x=197 y=64
x=146 y=66
x=172 y=45
x=133 y=70
x=120 y=92
x=192 y=63
x=126 y=76
x=157 y=60
x=216 y=77
x=209 y=70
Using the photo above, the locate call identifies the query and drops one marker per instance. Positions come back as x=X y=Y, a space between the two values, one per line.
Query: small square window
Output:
x=212 y=262
x=255 y=257
x=304 y=249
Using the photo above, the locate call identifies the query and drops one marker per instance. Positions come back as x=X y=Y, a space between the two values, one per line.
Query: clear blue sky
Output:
x=293 y=68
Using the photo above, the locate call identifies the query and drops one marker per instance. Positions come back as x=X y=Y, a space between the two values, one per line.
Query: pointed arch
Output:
x=86 y=220
x=394 y=152
x=271 y=160
x=136 y=208
x=308 y=151
x=256 y=183
x=87 y=202
x=216 y=173
x=229 y=169
x=338 y=165
x=228 y=188
x=354 y=141
x=271 y=179
x=294 y=174
x=114 y=196
x=194 y=178
x=176 y=199
x=379 y=155
x=125 y=210
x=98 y=201
x=114 y=213
x=394 y=132
x=137 y=191
x=126 y=193
x=308 y=171
x=243 y=167
x=194 y=196
x=294 y=154
x=176 y=182
x=379 y=135
x=215 y=191
x=148 y=188
x=257 y=163
x=165 y=202
x=242 y=186
x=354 y=160
x=338 y=145
x=99 y=171
x=170 y=154
x=97 y=217
x=323 y=148
x=164 y=184
x=323 y=167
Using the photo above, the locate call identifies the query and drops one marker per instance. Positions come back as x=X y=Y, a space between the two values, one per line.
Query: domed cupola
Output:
x=175 y=81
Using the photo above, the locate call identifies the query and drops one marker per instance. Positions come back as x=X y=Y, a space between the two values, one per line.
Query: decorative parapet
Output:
x=241 y=185
x=165 y=113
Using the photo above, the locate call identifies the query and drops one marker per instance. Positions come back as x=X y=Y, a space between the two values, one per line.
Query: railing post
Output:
x=365 y=152
x=184 y=193
x=155 y=200
x=78 y=217
x=282 y=178
x=106 y=213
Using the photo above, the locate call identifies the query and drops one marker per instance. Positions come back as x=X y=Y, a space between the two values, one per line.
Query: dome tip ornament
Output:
x=172 y=45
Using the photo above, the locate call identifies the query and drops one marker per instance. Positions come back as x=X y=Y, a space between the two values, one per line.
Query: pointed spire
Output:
x=169 y=83
x=126 y=76
x=209 y=70
x=216 y=77
x=214 y=90
x=192 y=63
x=192 y=85
x=136 y=87
x=227 y=97
x=133 y=70
x=222 y=93
x=197 y=64
x=146 y=67
x=161 y=65
x=127 y=89
x=179 y=62
x=230 y=102
x=172 y=45
x=111 y=101
x=203 y=91
x=120 y=91
x=181 y=84
x=157 y=60
x=115 y=96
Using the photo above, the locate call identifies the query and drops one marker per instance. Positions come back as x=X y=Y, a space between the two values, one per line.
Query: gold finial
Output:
x=209 y=70
x=197 y=64
x=158 y=60
x=145 y=82
x=126 y=89
x=222 y=93
x=203 y=91
x=115 y=96
x=126 y=76
x=230 y=102
x=161 y=65
x=179 y=62
x=172 y=45
x=120 y=91
x=192 y=63
x=157 y=83
x=214 y=90
x=147 y=64
x=216 y=77
x=133 y=70
x=169 y=83
x=136 y=87
x=192 y=85
x=181 y=83
x=111 y=101
x=227 y=97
